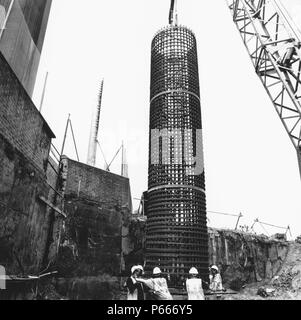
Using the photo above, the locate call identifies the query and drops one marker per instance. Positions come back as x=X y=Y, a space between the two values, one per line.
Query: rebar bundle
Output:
x=176 y=237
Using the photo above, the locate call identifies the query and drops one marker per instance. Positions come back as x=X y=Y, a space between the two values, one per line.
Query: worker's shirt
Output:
x=159 y=288
x=195 y=289
x=216 y=283
x=135 y=289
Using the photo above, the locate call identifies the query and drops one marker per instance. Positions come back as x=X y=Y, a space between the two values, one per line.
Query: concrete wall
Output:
x=97 y=204
x=22 y=40
x=25 y=140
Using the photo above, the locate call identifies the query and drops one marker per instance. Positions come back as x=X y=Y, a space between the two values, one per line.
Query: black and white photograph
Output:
x=150 y=151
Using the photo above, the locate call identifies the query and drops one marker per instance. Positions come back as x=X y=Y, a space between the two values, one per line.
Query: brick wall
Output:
x=98 y=205
x=20 y=121
x=97 y=185
x=25 y=139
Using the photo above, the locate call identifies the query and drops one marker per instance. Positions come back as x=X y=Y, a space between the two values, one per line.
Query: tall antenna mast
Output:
x=173 y=13
x=94 y=130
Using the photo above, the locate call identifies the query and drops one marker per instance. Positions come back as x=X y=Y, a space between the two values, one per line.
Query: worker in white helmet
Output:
x=158 y=285
x=141 y=270
x=135 y=288
x=216 y=283
x=194 y=286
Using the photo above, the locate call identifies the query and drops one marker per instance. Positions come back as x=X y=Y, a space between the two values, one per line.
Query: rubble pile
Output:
x=284 y=280
x=266 y=292
x=285 y=285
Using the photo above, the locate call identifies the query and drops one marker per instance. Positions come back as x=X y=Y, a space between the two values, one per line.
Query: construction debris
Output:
x=298 y=239
x=266 y=292
x=279 y=236
x=284 y=280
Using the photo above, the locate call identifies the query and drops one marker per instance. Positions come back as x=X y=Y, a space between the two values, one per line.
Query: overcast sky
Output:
x=250 y=163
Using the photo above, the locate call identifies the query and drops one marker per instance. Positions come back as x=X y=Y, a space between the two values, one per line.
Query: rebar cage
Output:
x=176 y=236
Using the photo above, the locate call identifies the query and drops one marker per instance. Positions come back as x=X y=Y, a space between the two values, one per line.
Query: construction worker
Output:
x=158 y=285
x=194 y=286
x=135 y=288
x=141 y=270
x=215 y=279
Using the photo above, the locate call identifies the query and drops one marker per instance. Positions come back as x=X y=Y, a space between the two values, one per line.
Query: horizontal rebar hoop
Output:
x=176 y=236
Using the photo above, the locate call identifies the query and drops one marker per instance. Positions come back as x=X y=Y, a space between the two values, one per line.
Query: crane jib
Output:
x=273 y=43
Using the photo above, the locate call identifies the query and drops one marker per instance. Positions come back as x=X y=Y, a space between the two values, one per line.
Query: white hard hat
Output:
x=214 y=267
x=134 y=268
x=156 y=271
x=139 y=267
x=193 y=270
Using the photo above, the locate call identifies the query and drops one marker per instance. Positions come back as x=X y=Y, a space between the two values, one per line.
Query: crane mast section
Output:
x=273 y=44
x=94 y=129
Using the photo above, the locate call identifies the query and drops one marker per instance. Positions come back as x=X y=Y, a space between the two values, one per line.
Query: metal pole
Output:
x=255 y=221
x=240 y=215
x=74 y=142
x=43 y=94
x=108 y=168
x=122 y=160
x=288 y=230
x=104 y=157
x=6 y=19
x=65 y=135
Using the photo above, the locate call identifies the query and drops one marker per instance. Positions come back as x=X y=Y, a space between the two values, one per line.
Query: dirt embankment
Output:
x=285 y=285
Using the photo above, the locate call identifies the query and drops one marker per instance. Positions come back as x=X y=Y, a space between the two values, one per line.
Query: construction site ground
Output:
x=286 y=285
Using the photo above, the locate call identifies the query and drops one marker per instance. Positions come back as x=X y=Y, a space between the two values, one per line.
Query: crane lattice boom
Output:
x=94 y=129
x=274 y=46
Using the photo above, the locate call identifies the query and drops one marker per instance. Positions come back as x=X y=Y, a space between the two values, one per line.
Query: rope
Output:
x=271 y=225
x=263 y=228
x=226 y=214
x=103 y=155
x=74 y=140
x=108 y=168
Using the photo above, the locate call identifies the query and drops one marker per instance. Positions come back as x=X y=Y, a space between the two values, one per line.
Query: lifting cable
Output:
x=225 y=213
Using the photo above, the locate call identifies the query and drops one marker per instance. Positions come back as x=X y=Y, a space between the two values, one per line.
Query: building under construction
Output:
x=176 y=236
